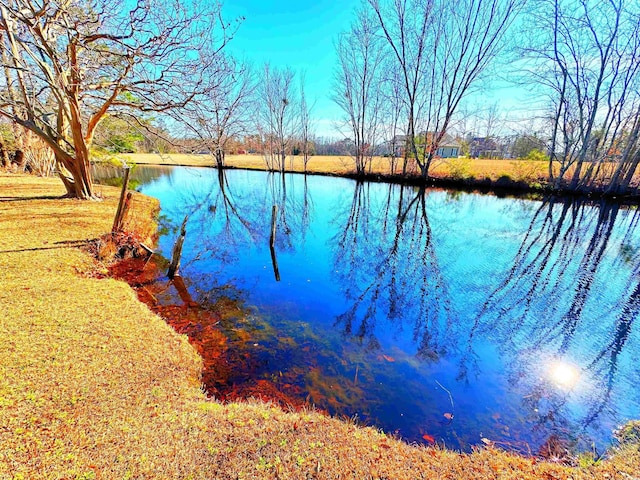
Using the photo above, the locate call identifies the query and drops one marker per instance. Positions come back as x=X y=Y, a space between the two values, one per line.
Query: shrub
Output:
x=459 y=168
x=504 y=181
x=536 y=155
x=528 y=170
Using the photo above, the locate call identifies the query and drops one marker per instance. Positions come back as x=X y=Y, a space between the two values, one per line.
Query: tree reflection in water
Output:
x=553 y=297
x=385 y=260
x=226 y=220
x=523 y=310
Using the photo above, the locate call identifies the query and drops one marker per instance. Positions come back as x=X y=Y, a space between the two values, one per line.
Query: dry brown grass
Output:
x=94 y=386
x=479 y=168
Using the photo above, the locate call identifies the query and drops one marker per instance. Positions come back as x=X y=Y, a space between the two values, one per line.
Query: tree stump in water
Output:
x=272 y=242
x=177 y=250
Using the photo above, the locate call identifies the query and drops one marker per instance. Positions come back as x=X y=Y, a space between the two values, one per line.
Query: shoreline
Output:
x=493 y=180
x=222 y=356
x=95 y=385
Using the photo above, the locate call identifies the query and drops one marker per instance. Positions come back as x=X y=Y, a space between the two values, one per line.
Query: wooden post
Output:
x=117 y=222
x=274 y=218
x=125 y=208
x=272 y=242
x=274 y=262
x=177 y=250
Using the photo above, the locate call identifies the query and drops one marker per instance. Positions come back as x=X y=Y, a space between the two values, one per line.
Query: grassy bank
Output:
x=95 y=386
x=458 y=168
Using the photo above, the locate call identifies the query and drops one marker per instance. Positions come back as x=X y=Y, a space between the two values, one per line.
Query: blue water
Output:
x=514 y=317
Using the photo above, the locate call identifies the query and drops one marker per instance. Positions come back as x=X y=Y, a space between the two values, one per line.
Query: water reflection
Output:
x=564 y=375
x=569 y=295
x=396 y=302
x=108 y=174
x=386 y=264
x=227 y=223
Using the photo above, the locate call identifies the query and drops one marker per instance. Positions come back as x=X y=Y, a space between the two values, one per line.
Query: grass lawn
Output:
x=95 y=386
x=478 y=168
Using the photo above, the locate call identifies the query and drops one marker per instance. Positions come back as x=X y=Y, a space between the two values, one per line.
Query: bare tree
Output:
x=586 y=59
x=222 y=112
x=357 y=89
x=406 y=26
x=629 y=158
x=442 y=49
x=69 y=63
x=393 y=110
x=278 y=121
x=492 y=120
x=305 y=126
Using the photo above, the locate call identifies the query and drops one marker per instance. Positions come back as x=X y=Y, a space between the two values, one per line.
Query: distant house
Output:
x=448 y=148
x=484 y=147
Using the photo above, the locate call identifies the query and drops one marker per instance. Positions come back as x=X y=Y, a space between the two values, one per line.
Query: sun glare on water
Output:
x=564 y=375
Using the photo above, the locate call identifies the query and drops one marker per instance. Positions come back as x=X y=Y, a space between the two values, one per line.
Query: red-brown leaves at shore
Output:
x=429 y=438
x=226 y=371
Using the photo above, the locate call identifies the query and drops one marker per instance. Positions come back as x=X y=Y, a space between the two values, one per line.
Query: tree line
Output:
x=407 y=66
x=86 y=72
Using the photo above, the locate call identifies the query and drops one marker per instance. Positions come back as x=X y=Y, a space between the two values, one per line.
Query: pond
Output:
x=437 y=315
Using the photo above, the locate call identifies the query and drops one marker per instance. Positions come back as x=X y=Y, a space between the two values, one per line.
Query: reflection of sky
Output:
x=513 y=375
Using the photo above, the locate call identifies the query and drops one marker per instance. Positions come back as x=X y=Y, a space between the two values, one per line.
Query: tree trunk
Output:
x=576 y=180
x=18 y=159
x=623 y=187
x=82 y=187
x=220 y=158
x=4 y=156
x=76 y=177
x=619 y=182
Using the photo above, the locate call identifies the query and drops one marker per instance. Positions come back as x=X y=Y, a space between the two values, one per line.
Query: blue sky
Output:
x=301 y=35
x=298 y=34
